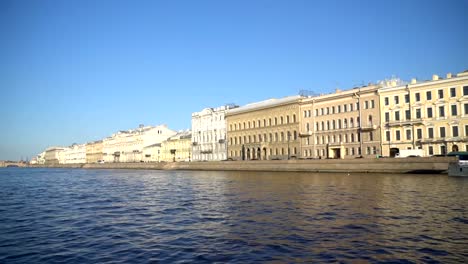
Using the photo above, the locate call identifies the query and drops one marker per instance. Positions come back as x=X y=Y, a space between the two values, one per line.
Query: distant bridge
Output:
x=4 y=164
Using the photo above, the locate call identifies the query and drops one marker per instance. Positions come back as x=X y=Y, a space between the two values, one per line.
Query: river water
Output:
x=138 y=216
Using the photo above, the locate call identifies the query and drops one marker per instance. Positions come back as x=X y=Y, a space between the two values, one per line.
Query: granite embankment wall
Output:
x=387 y=165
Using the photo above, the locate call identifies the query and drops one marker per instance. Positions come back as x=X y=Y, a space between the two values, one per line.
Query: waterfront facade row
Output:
x=363 y=122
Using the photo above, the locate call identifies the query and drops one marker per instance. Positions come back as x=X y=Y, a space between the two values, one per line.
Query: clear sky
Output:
x=78 y=71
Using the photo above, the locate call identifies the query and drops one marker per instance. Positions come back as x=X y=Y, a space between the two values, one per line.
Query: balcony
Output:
x=404 y=123
x=368 y=127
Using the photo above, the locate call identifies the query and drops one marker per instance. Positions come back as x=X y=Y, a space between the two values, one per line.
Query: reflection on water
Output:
x=57 y=215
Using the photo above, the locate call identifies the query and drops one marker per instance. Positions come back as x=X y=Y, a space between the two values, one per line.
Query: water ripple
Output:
x=118 y=216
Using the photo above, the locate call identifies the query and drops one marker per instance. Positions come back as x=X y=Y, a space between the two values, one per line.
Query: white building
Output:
x=76 y=153
x=129 y=145
x=54 y=155
x=209 y=134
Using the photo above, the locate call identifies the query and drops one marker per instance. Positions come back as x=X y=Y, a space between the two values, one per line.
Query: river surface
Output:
x=141 y=216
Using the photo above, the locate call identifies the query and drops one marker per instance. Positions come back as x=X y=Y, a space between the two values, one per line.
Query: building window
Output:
x=455 y=131
x=465 y=90
x=321 y=111
x=408 y=134
x=430 y=132
x=454 y=110
x=441 y=94
x=407 y=98
x=339 y=109
x=453 y=92
x=443 y=150
x=419 y=133
x=368 y=150
x=466 y=130
x=371 y=136
x=418 y=97
x=466 y=108
x=407 y=115
x=333 y=109
x=431 y=150
x=397 y=116
x=387 y=117
x=418 y=113
x=397 y=135
x=442 y=132
x=387 y=135
x=429 y=95
x=386 y=101
x=397 y=99
x=366 y=104
x=316 y=112
x=429 y=112
x=441 y=111
x=345 y=108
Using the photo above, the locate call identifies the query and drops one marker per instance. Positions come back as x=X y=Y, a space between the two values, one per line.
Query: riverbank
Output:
x=386 y=165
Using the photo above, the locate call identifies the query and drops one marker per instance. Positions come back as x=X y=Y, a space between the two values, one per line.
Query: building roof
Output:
x=264 y=104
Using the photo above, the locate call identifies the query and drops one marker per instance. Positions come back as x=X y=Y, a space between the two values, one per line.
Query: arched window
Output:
x=244 y=126
x=323 y=126
x=287 y=119
x=345 y=123
x=258 y=122
x=281 y=120
x=339 y=123
x=339 y=138
x=358 y=122
x=333 y=125
x=269 y=121
x=352 y=137
x=264 y=122
x=370 y=120
x=271 y=137
x=316 y=126
x=351 y=123
x=276 y=121
x=328 y=125
x=307 y=127
x=282 y=136
x=294 y=117
x=295 y=135
x=276 y=137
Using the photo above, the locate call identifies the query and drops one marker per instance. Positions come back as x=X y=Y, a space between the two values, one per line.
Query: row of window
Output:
x=272 y=137
x=337 y=109
x=430 y=133
x=338 y=124
x=429 y=113
x=271 y=122
x=442 y=148
x=417 y=96
x=272 y=152
x=345 y=138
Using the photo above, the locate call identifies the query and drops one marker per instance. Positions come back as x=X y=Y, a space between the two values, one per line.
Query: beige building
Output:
x=152 y=153
x=94 y=151
x=54 y=155
x=264 y=130
x=341 y=125
x=430 y=115
x=177 y=148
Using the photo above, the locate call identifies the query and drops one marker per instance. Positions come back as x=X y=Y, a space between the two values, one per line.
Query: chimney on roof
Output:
x=449 y=75
x=413 y=81
x=435 y=77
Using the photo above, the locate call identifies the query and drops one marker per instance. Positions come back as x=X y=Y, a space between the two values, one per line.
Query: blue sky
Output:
x=77 y=71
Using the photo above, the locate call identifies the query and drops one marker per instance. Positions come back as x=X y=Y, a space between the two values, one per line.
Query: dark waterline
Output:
x=119 y=216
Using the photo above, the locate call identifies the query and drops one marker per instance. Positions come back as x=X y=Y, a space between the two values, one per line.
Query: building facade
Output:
x=54 y=156
x=265 y=130
x=94 y=151
x=178 y=147
x=341 y=125
x=127 y=146
x=430 y=115
x=209 y=134
x=74 y=154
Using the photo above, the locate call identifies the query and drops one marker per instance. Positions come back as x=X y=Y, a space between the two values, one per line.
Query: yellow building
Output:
x=177 y=148
x=264 y=130
x=341 y=125
x=94 y=151
x=429 y=115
